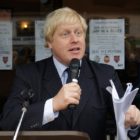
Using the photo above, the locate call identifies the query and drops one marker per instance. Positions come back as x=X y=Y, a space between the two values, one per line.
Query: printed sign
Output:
x=106 y=42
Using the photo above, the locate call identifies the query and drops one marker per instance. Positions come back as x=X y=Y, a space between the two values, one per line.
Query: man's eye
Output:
x=78 y=33
x=65 y=34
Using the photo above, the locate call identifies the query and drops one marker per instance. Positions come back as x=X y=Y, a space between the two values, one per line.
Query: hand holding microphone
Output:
x=69 y=94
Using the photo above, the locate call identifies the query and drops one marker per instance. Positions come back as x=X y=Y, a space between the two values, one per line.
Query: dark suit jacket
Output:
x=42 y=77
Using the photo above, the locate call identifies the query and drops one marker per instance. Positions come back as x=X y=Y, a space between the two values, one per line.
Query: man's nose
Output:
x=74 y=37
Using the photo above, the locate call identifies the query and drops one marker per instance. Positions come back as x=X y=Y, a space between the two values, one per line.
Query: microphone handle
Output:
x=20 y=122
x=72 y=106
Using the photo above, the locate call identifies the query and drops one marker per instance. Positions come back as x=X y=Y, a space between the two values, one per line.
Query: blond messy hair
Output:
x=62 y=15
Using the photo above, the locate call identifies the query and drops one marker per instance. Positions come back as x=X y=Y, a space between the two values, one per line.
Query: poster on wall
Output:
x=5 y=45
x=41 y=52
x=106 y=42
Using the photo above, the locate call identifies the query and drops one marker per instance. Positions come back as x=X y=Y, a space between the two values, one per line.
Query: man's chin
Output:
x=77 y=57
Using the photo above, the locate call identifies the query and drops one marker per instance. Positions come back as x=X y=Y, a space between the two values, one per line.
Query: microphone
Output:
x=26 y=94
x=74 y=69
x=74 y=72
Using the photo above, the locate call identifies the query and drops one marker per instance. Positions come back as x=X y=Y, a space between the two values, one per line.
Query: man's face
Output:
x=68 y=42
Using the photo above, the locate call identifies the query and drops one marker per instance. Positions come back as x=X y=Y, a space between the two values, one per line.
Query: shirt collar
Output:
x=59 y=66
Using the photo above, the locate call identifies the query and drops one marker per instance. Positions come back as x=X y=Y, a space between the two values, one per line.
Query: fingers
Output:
x=72 y=89
x=72 y=93
x=132 y=116
x=68 y=94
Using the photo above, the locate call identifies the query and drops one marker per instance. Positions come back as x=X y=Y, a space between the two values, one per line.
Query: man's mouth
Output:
x=74 y=49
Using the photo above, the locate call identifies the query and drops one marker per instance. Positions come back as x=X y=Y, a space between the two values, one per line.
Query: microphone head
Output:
x=27 y=94
x=74 y=68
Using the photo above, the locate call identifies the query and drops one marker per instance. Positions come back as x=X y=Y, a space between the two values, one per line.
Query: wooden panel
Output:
x=46 y=135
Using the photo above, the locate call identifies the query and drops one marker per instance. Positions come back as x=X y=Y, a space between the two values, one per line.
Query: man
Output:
x=65 y=33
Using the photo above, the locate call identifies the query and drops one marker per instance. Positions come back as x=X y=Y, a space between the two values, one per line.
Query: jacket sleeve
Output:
x=13 y=108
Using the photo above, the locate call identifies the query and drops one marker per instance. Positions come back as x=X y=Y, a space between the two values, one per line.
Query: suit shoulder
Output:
x=101 y=66
x=33 y=65
x=32 y=68
x=103 y=70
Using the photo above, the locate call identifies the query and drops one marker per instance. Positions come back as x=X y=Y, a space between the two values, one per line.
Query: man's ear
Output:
x=48 y=45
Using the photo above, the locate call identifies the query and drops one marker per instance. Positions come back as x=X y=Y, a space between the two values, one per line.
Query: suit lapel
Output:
x=51 y=80
x=85 y=80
